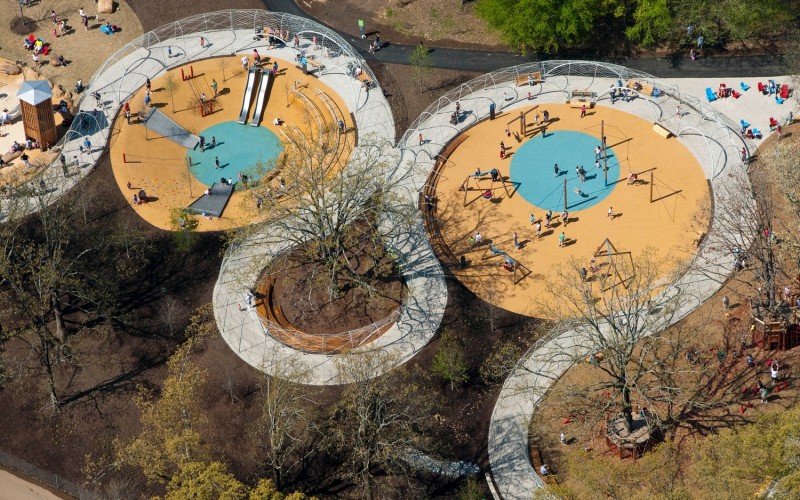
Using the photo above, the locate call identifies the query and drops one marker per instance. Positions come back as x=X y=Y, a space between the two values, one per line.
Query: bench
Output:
x=582 y=93
x=316 y=64
x=580 y=104
x=662 y=131
x=363 y=78
x=529 y=78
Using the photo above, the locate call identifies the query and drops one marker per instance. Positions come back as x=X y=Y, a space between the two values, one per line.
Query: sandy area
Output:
x=664 y=225
x=15 y=488
x=157 y=165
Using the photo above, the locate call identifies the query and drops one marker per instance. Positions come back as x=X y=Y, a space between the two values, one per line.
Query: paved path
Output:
x=487 y=60
x=703 y=129
x=551 y=357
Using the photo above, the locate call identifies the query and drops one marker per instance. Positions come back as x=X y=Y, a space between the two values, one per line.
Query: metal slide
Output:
x=248 y=95
x=260 y=101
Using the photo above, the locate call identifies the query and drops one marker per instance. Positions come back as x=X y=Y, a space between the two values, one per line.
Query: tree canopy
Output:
x=549 y=26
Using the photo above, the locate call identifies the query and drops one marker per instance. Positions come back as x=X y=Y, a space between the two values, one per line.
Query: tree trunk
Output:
x=59 y=317
x=48 y=368
x=627 y=409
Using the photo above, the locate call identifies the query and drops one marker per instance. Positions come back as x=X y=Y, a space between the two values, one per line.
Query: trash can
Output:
x=491 y=111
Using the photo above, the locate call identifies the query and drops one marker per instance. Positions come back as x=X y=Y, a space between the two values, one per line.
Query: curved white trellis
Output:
x=228 y=32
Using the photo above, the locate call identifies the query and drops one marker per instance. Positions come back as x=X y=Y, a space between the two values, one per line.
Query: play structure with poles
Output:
x=617 y=272
x=519 y=271
x=492 y=176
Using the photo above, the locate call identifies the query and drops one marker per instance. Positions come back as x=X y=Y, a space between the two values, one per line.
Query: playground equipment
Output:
x=263 y=86
x=252 y=77
x=477 y=177
x=620 y=265
x=519 y=271
x=523 y=121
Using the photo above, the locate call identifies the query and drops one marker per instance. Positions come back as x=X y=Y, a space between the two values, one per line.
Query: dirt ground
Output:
x=115 y=362
x=444 y=22
x=84 y=50
x=722 y=330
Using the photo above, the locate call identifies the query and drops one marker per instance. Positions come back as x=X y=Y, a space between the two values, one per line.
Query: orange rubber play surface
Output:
x=669 y=225
x=157 y=165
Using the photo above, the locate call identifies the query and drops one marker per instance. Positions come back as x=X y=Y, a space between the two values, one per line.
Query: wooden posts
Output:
x=605 y=154
x=651 y=187
x=565 y=194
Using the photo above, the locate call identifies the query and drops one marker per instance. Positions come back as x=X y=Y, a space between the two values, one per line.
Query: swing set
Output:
x=519 y=271
x=488 y=192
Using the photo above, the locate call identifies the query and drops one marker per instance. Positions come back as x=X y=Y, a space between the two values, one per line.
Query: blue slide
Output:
x=248 y=95
x=260 y=100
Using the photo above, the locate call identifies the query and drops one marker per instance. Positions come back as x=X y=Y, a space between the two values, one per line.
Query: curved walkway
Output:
x=421 y=312
x=553 y=355
x=175 y=44
x=712 y=137
x=489 y=60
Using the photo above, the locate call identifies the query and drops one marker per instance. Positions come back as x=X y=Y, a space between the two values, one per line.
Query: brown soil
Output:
x=84 y=50
x=721 y=331
x=301 y=291
x=444 y=22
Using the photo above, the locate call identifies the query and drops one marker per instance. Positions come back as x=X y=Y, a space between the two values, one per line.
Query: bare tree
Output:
x=745 y=216
x=610 y=315
x=377 y=421
x=320 y=203
x=286 y=431
x=171 y=87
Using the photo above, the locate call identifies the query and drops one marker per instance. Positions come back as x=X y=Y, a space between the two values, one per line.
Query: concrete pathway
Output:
x=553 y=355
x=490 y=60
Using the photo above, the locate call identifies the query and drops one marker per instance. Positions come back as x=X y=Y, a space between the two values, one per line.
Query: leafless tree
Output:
x=287 y=429
x=377 y=421
x=320 y=203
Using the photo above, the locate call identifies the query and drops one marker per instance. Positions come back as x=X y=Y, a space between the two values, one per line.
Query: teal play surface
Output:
x=532 y=166
x=239 y=148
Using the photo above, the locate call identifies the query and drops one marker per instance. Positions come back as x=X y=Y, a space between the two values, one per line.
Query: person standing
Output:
x=583 y=110
x=515 y=240
x=478 y=238
x=546 y=116
x=538 y=229
x=202 y=42
x=565 y=217
x=147 y=99
x=561 y=239
x=245 y=63
x=214 y=87
x=597 y=152
x=610 y=213
x=128 y=116
x=532 y=219
x=773 y=372
x=555 y=170
x=36 y=60
x=421 y=140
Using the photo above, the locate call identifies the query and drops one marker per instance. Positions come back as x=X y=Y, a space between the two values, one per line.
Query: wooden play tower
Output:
x=35 y=98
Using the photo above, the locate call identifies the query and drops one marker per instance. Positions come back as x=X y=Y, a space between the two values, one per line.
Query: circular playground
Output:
x=640 y=191
x=183 y=152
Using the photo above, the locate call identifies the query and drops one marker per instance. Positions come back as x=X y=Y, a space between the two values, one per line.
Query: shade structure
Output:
x=35 y=99
x=34 y=91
